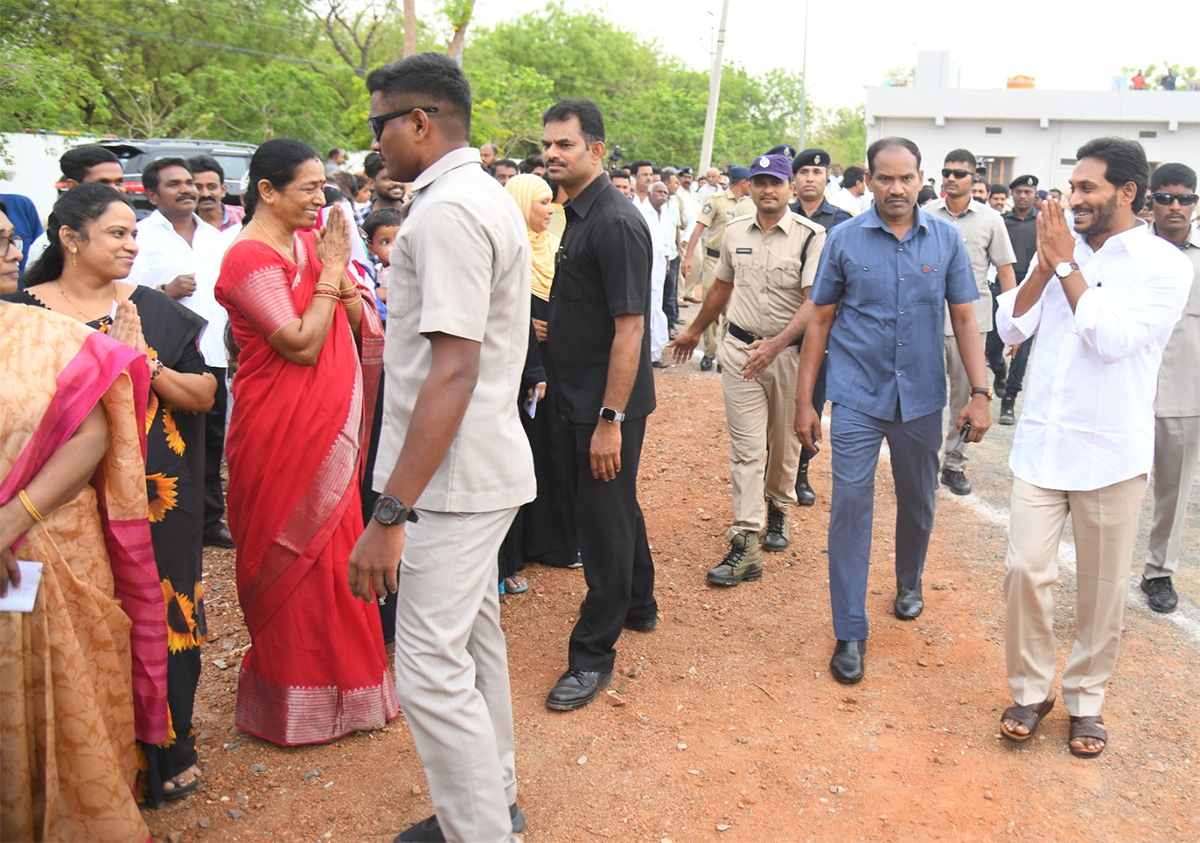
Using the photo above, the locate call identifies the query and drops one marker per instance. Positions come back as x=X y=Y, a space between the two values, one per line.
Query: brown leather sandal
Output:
x=1028 y=716
x=1087 y=726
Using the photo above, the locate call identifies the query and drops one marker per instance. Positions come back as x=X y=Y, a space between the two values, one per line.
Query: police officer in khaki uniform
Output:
x=714 y=217
x=768 y=261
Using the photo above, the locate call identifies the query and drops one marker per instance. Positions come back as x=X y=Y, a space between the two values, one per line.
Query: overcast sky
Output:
x=1066 y=46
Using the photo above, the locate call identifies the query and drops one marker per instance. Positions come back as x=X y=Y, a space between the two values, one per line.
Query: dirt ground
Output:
x=732 y=727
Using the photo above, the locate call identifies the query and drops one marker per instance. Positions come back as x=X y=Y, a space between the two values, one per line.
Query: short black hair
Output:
x=963 y=155
x=1125 y=161
x=637 y=165
x=360 y=181
x=505 y=162
x=432 y=78
x=887 y=143
x=591 y=121
x=852 y=176
x=926 y=194
x=150 y=178
x=76 y=162
x=531 y=163
x=997 y=188
x=334 y=151
x=206 y=164
x=372 y=164
x=619 y=174
x=381 y=219
x=1167 y=174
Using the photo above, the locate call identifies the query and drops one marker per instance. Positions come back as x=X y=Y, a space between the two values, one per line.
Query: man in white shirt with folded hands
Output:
x=1102 y=301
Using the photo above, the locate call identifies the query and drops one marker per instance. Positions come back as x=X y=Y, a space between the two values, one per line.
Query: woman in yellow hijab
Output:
x=544 y=529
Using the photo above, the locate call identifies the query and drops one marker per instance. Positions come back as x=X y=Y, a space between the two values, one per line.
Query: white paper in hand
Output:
x=530 y=405
x=20 y=598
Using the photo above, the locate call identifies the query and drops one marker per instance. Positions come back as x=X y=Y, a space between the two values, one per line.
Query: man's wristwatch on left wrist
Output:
x=985 y=391
x=389 y=511
x=610 y=415
x=1065 y=268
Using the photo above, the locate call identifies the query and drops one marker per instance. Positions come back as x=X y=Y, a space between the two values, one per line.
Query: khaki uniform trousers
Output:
x=959 y=394
x=760 y=414
x=1176 y=454
x=1105 y=526
x=711 y=337
x=452 y=670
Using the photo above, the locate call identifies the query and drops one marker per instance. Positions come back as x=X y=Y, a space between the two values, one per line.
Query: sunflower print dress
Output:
x=175 y=490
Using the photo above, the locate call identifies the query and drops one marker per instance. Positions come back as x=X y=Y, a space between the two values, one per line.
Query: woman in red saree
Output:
x=317 y=668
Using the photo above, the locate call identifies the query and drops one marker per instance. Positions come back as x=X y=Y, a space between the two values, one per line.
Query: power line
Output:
x=189 y=41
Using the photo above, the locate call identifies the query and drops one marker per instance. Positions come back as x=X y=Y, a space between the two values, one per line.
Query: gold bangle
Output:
x=327 y=286
x=326 y=296
x=29 y=507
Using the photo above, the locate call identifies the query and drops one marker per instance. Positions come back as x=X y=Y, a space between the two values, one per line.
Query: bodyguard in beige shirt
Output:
x=768 y=261
x=986 y=238
x=453 y=464
x=1177 y=404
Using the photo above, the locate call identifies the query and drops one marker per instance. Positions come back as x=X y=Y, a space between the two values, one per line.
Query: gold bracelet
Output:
x=327 y=286
x=29 y=507
x=326 y=296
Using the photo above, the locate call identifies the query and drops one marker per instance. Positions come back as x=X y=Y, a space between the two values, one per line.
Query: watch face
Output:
x=387 y=510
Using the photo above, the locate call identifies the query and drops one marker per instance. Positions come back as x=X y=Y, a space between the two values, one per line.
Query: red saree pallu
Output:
x=316 y=669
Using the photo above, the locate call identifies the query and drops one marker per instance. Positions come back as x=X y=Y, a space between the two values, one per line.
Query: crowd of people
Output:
x=425 y=375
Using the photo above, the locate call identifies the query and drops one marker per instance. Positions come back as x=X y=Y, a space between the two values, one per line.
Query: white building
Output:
x=1016 y=131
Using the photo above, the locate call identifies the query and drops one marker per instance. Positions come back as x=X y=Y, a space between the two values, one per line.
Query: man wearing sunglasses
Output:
x=987 y=242
x=1177 y=405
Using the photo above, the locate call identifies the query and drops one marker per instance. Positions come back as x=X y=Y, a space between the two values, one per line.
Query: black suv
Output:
x=136 y=154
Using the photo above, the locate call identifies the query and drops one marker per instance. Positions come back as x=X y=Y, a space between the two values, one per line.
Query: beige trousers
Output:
x=1176 y=453
x=706 y=282
x=960 y=394
x=1105 y=526
x=760 y=414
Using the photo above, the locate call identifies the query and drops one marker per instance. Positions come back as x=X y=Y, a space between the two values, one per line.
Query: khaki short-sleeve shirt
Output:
x=1178 y=382
x=986 y=237
x=460 y=266
x=717 y=213
x=770 y=270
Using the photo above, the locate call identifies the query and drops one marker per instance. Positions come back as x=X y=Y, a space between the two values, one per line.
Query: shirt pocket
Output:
x=865 y=283
x=926 y=287
x=785 y=274
x=743 y=270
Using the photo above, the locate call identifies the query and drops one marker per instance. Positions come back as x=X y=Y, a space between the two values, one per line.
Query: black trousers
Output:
x=616 y=555
x=670 y=301
x=214 y=452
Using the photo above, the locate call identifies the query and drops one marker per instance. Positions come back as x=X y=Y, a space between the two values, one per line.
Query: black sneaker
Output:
x=956 y=482
x=706 y=364
x=805 y=496
x=1007 y=416
x=1160 y=594
x=998 y=384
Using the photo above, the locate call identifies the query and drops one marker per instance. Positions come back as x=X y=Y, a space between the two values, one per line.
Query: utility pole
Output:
x=800 y=146
x=714 y=94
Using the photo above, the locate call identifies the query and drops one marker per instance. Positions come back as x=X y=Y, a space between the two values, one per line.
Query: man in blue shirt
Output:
x=888 y=271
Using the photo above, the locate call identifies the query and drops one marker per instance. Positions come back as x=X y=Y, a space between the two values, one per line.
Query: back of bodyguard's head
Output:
x=430 y=79
x=76 y=162
x=887 y=143
x=1173 y=174
x=591 y=121
x=1125 y=161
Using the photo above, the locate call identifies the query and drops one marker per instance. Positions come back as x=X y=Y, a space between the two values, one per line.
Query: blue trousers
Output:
x=855 y=439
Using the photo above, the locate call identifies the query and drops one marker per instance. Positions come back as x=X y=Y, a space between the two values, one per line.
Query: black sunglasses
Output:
x=958 y=174
x=1185 y=199
x=379 y=120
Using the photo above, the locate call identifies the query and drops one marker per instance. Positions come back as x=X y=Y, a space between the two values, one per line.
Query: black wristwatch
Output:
x=389 y=511
x=610 y=415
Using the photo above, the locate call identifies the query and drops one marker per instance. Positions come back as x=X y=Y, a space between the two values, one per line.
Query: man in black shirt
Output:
x=599 y=340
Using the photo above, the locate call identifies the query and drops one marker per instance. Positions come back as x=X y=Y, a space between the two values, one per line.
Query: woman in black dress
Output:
x=91 y=233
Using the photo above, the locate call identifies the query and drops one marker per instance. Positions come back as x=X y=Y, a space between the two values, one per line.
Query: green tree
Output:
x=842 y=132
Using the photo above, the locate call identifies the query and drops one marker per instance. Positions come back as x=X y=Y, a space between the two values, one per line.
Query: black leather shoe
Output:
x=577 y=688
x=1007 y=416
x=706 y=364
x=429 y=830
x=909 y=602
x=956 y=482
x=1160 y=594
x=847 y=662
x=641 y=626
x=218 y=537
x=999 y=384
x=805 y=496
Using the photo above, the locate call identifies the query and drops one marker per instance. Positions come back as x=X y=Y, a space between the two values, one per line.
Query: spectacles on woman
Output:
x=379 y=120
